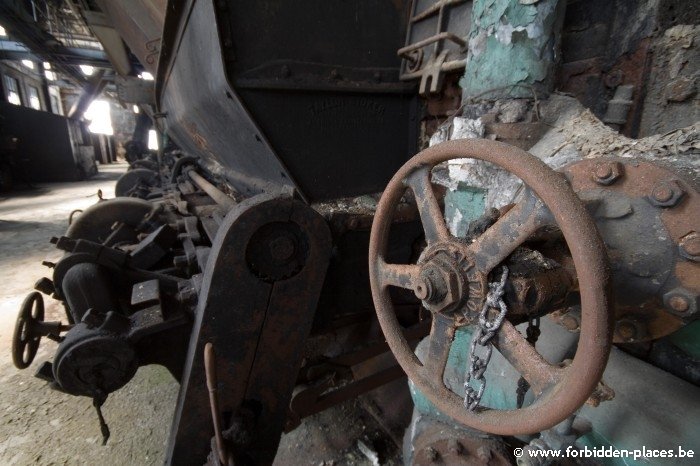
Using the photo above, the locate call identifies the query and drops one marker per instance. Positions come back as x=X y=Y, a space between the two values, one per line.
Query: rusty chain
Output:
x=482 y=336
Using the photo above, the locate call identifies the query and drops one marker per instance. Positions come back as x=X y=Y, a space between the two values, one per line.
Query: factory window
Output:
x=34 y=101
x=55 y=105
x=152 y=139
x=12 y=86
x=100 y=118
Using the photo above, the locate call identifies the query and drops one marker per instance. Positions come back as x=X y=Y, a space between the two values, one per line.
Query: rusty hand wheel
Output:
x=451 y=280
x=25 y=341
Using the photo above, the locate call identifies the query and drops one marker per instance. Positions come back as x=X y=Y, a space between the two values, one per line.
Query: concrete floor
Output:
x=41 y=426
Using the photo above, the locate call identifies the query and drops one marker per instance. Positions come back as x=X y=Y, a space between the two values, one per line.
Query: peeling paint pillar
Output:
x=513 y=48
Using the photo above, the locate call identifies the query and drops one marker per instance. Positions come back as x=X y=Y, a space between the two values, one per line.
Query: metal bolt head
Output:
x=627 y=330
x=689 y=246
x=666 y=193
x=571 y=323
x=681 y=302
x=432 y=286
x=662 y=193
x=603 y=170
x=606 y=173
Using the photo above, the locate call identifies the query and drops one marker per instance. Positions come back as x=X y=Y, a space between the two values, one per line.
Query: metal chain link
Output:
x=482 y=336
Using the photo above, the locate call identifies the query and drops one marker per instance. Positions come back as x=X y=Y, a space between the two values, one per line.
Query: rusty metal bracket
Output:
x=269 y=319
x=433 y=48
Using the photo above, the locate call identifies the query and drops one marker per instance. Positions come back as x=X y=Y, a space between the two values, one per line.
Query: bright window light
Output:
x=100 y=119
x=13 y=98
x=136 y=109
x=87 y=70
x=28 y=63
x=3 y=32
x=50 y=75
x=47 y=65
x=152 y=139
x=146 y=76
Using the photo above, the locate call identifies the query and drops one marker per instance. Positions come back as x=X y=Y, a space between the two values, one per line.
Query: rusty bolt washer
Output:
x=606 y=173
x=666 y=193
x=689 y=246
x=681 y=302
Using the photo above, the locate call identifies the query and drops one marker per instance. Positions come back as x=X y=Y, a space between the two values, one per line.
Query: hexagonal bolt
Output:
x=666 y=193
x=606 y=173
x=681 y=302
x=628 y=330
x=689 y=246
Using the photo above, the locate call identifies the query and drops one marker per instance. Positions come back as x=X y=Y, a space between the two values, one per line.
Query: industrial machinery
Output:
x=239 y=262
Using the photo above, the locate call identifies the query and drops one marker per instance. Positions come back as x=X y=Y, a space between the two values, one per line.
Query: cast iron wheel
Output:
x=24 y=343
x=560 y=391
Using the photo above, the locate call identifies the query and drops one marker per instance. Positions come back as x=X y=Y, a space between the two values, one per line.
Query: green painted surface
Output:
x=688 y=339
x=495 y=396
x=462 y=206
x=512 y=48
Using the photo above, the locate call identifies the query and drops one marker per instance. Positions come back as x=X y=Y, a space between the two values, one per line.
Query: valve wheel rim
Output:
x=25 y=346
x=563 y=396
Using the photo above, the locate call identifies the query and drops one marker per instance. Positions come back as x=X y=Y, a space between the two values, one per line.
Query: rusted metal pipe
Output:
x=215 y=193
x=210 y=369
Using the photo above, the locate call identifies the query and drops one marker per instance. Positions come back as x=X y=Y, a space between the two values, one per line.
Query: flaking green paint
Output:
x=463 y=205
x=512 y=48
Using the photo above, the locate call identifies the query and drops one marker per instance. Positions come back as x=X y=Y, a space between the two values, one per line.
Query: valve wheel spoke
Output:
x=442 y=332
x=524 y=358
x=428 y=207
x=509 y=232
x=399 y=275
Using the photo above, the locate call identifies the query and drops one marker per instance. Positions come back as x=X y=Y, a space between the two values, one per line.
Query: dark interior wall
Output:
x=46 y=148
x=26 y=79
x=609 y=43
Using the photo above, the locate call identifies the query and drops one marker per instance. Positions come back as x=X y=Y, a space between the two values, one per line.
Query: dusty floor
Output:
x=41 y=426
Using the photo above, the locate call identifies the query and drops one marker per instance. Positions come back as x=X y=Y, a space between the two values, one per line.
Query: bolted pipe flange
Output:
x=666 y=193
x=606 y=173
